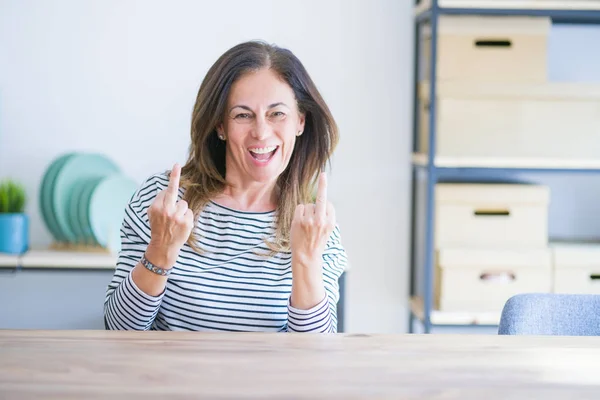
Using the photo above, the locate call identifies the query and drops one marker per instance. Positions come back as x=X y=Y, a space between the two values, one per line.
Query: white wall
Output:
x=120 y=77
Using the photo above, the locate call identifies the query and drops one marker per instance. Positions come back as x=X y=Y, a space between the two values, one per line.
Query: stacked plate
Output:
x=83 y=198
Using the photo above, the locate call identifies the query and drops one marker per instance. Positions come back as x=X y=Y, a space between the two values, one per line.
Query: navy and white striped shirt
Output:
x=232 y=286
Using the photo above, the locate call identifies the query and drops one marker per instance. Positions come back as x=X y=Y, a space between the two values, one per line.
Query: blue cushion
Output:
x=551 y=314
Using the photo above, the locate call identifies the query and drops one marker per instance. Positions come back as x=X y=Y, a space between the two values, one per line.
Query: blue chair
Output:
x=551 y=314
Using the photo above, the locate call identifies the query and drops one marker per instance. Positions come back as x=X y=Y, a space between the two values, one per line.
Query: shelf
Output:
x=55 y=259
x=567 y=10
x=570 y=5
x=441 y=318
x=8 y=260
x=510 y=164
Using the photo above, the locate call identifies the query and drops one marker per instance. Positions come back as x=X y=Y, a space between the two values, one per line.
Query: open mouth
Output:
x=263 y=154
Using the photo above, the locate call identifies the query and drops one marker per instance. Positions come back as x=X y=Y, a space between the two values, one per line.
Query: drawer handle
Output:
x=595 y=277
x=492 y=213
x=498 y=277
x=493 y=43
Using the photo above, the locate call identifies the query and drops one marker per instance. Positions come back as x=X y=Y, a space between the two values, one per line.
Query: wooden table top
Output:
x=148 y=365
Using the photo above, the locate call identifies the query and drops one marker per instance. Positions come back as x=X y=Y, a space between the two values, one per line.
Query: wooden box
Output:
x=489 y=48
x=522 y=124
x=482 y=280
x=491 y=215
x=576 y=268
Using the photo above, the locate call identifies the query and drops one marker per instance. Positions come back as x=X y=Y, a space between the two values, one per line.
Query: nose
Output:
x=262 y=129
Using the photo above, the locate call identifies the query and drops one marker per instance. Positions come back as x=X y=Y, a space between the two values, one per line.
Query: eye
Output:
x=242 y=116
x=277 y=115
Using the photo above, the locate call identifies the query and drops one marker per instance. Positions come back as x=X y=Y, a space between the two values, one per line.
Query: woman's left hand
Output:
x=311 y=227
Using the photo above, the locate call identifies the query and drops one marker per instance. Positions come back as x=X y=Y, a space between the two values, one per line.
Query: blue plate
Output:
x=107 y=209
x=77 y=169
x=78 y=205
x=45 y=197
x=84 y=211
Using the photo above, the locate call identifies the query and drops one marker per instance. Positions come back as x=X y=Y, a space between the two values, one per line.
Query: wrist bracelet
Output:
x=151 y=267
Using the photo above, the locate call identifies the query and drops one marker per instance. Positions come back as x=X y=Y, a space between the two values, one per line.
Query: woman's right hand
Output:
x=171 y=223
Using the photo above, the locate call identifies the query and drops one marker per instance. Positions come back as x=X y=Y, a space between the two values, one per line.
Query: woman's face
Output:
x=260 y=127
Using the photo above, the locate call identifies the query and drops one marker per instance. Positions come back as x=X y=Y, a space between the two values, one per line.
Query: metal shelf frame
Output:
x=433 y=173
x=558 y=16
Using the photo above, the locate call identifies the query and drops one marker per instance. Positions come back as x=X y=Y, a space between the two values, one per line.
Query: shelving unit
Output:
x=45 y=260
x=431 y=168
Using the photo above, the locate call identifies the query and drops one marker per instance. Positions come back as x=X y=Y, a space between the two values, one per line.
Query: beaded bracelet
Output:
x=151 y=267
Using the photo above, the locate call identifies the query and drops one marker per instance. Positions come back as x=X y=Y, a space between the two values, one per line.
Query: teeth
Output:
x=263 y=150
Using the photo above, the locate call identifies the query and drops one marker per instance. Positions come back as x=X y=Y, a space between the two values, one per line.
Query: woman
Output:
x=232 y=241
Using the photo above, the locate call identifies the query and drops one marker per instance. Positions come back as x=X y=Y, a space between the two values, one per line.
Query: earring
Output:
x=221 y=136
x=299 y=133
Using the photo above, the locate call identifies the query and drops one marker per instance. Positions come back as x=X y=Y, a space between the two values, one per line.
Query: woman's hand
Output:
x=171 y=223
x=312 y=225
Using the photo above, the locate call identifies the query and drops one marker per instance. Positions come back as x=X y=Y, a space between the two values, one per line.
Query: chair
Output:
x=551 y=314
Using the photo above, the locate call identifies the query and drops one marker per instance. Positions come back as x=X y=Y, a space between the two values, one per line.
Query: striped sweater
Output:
x=231 y=286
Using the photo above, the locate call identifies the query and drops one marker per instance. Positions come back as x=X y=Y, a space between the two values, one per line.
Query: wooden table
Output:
x=149 y=365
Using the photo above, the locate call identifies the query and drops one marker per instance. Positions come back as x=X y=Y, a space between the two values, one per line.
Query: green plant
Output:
x=12 y=197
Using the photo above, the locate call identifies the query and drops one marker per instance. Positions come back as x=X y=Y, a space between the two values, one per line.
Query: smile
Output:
x=263 y=154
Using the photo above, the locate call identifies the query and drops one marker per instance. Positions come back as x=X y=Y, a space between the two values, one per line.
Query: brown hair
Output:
x=203 y=175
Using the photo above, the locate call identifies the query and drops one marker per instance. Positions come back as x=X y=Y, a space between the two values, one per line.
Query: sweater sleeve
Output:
x=322 y=318
x=126 y=307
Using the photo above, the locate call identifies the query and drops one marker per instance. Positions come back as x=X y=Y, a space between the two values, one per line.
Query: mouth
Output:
x=263 y=154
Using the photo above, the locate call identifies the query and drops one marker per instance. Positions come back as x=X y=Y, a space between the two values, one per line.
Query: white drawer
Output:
x=491 y=215
x=476 y=280
x=576 y=268
x=559 y=121
x=490 y=48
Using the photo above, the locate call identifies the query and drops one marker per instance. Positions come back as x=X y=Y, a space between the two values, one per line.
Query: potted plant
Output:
x=14 y=224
